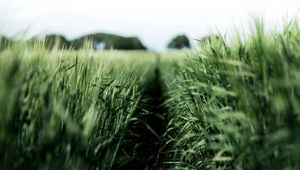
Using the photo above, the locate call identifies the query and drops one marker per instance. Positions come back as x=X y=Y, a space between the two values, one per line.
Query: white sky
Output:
x=154 y=21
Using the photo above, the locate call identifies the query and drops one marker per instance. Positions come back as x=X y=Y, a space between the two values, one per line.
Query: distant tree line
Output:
x=97 y=41
x=103 y=41
x=108 y=41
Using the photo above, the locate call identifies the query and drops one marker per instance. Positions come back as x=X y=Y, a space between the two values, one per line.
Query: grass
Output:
x=237 y=104
x=228 y=105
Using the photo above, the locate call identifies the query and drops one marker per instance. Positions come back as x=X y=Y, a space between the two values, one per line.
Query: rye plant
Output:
x=237 y=103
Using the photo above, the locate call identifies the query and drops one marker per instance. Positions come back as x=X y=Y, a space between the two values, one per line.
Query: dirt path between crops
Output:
x=144 y=140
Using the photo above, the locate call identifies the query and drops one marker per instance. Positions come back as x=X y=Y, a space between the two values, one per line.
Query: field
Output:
x=227 y=105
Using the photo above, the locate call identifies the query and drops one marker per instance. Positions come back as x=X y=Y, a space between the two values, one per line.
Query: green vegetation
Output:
x=5 y=43
x=228 y=105
x=179 y=42
x=109 y=41
x=56 y=41
x=237 y=104
x=209 y=39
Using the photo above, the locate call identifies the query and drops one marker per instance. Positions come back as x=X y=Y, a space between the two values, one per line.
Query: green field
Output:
x=231 y=104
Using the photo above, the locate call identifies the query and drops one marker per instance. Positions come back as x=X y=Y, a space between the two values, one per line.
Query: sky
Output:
x=155 y=22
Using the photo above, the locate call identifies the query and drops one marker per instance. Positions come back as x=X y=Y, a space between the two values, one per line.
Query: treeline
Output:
x=104 y=41
x=97 y=41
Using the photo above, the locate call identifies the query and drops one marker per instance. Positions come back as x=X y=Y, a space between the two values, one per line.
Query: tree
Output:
x=179 y=42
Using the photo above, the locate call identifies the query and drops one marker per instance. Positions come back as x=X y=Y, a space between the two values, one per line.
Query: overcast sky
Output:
x=153 y=21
